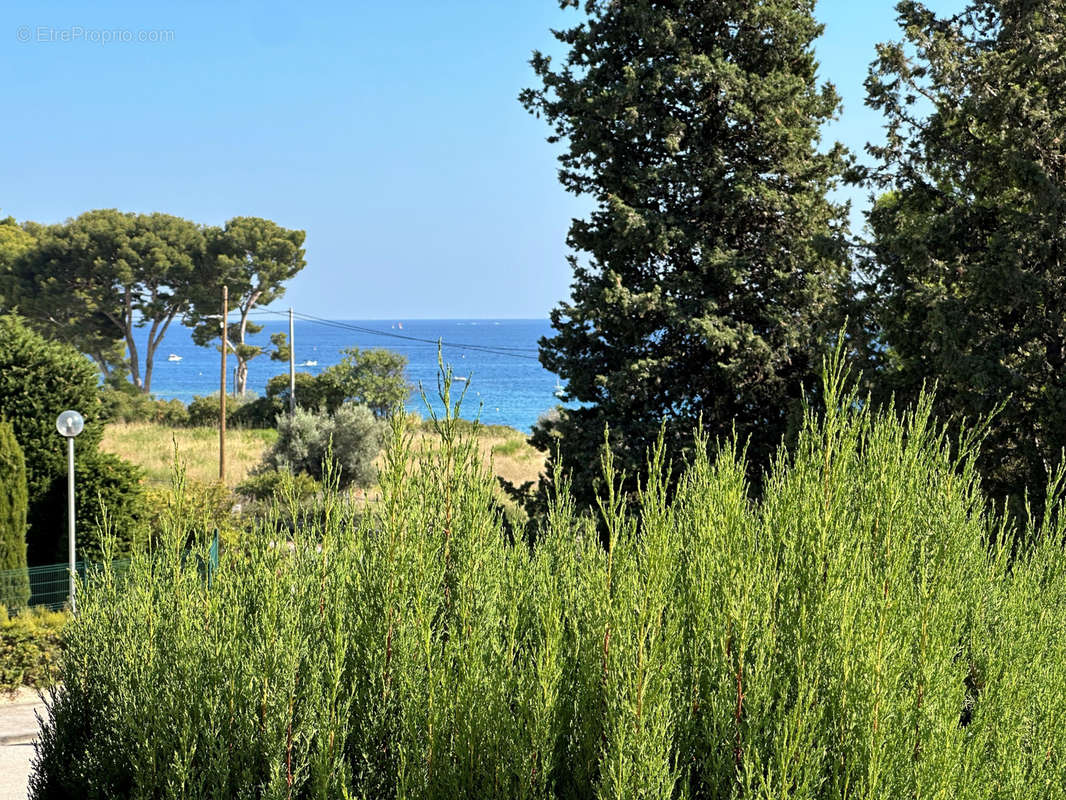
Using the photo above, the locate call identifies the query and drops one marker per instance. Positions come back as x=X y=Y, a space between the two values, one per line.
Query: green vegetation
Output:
x=860 y=631
x=92 y=280
x=29 y=648
x=253 y=257
x=39 y=379
x=14 y=580
x=964 y=282
x=344 y=444
x=375 y=378
x=124 y=403
x=705 y=277
x=109 y=498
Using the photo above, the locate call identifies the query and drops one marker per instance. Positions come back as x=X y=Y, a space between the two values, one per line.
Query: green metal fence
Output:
x=50 y=583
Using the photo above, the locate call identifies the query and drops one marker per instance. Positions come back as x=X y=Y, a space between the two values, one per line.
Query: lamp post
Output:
x=70 y=424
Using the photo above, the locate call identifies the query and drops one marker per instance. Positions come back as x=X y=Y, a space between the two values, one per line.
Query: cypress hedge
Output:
x=14 y=580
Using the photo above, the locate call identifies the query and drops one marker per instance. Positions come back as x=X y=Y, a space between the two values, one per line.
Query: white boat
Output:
x=459 y=378
x=560 y=392
x=308 y=364
x=173 y=357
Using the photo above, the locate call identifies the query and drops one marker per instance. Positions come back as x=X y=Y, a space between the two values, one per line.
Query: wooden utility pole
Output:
x=222 y=391
x=292 y=366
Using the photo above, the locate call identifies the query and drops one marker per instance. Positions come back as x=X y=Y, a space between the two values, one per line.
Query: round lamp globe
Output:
x=70 y=424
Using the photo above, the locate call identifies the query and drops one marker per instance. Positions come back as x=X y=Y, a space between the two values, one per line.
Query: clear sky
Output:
x=389 y=131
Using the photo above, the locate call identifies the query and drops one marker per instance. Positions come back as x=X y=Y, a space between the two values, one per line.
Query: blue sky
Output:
x=390 y=132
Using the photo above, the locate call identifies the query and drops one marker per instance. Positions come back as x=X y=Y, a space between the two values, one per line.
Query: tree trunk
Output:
x=154 y=341
x=149 y=357
x=242 y=376
x=127 y=326
x=242 y=363
x=101 y=363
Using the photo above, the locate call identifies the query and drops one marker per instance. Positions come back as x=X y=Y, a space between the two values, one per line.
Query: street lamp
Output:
x=70 y=424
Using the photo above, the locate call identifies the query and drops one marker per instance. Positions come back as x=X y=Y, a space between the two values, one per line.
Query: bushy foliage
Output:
x=278 y=483
x=375 y=377
x=275 y=503
x=344 y=443
x=851 y=634
x=706 y=270
x=29 y=648
x=135 y=406
x=255 y=412
x=241 y=412
x=39 y=379
x=202 y=508
x=311 y=393
x=14 y=580
x=30 y=643
x=204 y=410
x=108 y=497
x=964 y=283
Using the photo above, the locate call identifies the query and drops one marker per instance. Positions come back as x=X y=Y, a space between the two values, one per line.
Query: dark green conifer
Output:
x=705 y=274
x=14 y=580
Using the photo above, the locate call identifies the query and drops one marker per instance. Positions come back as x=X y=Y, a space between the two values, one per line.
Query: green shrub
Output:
x=172 y=413
x=29 y=648
x=39 y=379
x=202 y=508
x=14 y=580
x=278 y=483
x=853 y=634
x=123 y=406
x=204 y=411
x=344 y=443
x=376 y=378
x=258 y=412
x=241 y=412
x=108 y=497
x=311 y=393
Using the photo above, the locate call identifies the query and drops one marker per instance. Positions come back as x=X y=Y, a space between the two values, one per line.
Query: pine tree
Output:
x=14 y=580
x=705 y=277
x=967 y=285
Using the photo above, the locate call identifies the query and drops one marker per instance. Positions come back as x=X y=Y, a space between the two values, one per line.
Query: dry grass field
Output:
x=152 y=447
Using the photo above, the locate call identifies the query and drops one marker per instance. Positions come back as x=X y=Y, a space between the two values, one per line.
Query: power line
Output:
x=501 y=350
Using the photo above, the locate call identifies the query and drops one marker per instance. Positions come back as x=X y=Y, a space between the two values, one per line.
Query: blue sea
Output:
x=507 y=386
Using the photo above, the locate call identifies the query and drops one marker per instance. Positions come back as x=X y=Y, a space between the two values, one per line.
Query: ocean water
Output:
x=505 y=387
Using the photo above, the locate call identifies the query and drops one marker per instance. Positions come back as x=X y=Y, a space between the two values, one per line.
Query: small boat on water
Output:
x=173 y=357
x=308 y=364
x=560 y=392
x=459 y=378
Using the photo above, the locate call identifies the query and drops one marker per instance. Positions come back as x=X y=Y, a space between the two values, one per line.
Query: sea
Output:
x=494 y=360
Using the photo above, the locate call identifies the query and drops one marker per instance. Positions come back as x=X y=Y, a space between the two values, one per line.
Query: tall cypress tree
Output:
x=704 y=278
x=967 y=282
x=14 y=579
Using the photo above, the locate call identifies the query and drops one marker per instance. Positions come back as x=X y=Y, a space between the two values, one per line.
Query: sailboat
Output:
x=560 y=392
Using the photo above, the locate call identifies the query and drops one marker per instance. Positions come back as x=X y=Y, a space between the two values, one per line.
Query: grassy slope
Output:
x=152 y=447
